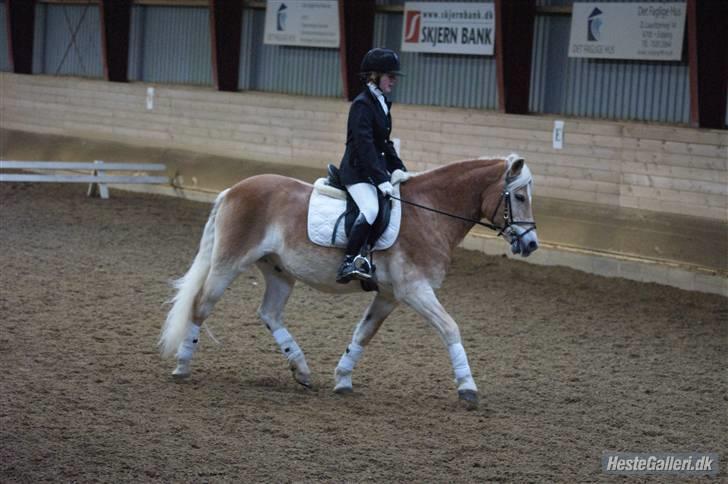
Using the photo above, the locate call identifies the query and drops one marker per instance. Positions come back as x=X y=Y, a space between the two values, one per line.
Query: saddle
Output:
x=332 y=212
x=352 y=210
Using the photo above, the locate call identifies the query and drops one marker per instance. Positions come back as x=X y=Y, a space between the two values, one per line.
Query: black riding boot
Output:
x=356 y=265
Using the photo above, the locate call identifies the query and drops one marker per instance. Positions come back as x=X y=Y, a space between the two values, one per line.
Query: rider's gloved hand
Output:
x=386 y=188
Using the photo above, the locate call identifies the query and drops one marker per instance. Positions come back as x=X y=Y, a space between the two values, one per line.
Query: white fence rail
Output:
x=98 y=179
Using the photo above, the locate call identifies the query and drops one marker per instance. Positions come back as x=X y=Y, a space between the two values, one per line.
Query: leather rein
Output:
x=507 y=215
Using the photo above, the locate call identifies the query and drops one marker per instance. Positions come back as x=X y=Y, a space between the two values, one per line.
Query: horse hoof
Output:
x=305 y=382
x=343 y=390
x=181 y=372
x=303 y=379
x=469 y=398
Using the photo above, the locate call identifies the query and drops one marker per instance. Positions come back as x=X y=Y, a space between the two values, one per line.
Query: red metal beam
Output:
x=115 y=24
x=513 y=46
x=226 y=25
x=356 y=31
x=21 y=29
x=708 y=62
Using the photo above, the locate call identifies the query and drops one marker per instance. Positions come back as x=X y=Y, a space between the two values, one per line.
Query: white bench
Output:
x=98 y=179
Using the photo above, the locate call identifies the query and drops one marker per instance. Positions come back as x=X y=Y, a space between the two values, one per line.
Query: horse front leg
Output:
x=425 y=303
x=278 y=287
x=374 y=316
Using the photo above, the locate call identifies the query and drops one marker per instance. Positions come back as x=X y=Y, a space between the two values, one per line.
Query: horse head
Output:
x=512 y=213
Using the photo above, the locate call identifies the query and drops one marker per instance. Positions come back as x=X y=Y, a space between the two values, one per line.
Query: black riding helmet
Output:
x=381 y=60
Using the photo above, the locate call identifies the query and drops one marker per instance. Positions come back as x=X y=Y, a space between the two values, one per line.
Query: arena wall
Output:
x=662 y=168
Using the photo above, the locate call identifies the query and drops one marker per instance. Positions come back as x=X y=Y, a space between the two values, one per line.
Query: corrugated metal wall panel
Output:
x=597 y=88
x=306 y=71
x=247 y=51
x=39 y=38
x=466 y=81
x=4 y=52
x=57 y=50
x=170 y=45
x=548 y=63
x=136 y=43
x=628 y=90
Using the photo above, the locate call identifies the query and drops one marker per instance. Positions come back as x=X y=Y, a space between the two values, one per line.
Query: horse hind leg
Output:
x=227 y=248
x=278 y=287
x=218 y=279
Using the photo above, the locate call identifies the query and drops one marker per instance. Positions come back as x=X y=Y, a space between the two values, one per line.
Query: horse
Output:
x=261 y=221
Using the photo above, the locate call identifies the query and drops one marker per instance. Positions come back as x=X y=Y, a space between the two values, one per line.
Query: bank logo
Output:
x=281 y=17
x=412 y=26
x=594 y=26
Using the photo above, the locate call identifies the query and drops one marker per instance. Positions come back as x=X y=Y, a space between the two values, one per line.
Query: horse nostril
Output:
x=533 y=245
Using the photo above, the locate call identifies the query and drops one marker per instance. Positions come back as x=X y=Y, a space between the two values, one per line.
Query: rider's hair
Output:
x=371 y=77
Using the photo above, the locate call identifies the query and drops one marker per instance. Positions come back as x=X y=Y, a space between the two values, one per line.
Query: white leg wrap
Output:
x=459 y=361
x=187 y=348
x=287 y=344
x=467 y=383
x=351 y=357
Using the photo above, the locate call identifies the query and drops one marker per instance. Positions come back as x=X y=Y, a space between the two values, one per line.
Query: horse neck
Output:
x=460 y=189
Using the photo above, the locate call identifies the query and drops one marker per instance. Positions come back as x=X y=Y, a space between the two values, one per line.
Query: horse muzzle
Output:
x=524 y=244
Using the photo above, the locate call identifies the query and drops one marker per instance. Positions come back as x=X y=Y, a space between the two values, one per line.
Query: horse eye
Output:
x=520 y=197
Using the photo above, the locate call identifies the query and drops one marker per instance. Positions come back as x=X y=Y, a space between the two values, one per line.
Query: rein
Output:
x=466 y=219
x=507 y=210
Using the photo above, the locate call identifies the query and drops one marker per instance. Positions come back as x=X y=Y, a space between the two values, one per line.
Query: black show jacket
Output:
x=370 y=155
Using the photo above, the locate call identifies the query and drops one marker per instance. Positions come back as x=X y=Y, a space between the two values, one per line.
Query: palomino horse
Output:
x=261 y=221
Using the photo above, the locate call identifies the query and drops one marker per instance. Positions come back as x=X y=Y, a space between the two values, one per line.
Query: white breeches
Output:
x=365 y=196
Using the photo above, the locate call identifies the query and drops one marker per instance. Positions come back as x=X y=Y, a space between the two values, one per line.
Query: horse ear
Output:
x=515 y=165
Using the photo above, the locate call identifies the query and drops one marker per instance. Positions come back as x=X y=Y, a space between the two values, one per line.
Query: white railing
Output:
x=98 y=178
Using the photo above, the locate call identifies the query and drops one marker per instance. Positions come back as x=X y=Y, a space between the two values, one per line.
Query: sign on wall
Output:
x=312 y=23
x=627 y=30
x=449 y=28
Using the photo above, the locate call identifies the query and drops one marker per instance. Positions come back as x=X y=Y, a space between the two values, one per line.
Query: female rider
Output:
x=370 y=157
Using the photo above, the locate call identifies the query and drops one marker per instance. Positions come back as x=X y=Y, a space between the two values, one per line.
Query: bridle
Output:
x=508 y=221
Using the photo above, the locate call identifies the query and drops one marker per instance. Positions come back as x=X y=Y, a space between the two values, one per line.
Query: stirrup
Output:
x=357 y=267
x=363 y=268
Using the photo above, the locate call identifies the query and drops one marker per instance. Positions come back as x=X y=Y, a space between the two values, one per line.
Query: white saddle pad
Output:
x=328 y=203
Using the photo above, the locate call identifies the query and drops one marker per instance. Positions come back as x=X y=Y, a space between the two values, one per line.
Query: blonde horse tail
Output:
x=179 y=318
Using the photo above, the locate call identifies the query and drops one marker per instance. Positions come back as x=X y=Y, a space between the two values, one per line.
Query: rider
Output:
x=370 y=157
